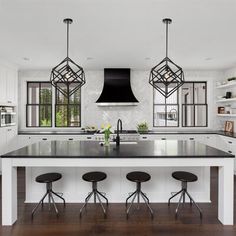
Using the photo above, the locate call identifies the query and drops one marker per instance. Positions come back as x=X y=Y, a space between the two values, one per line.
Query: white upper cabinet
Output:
x=3 y=85
x=8 y=86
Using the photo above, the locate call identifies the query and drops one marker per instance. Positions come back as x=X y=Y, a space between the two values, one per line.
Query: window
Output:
x=68 y=110
x=166 y=110
x=43 y=103
x=194 y=110
x=194 y=104
x=39 y=104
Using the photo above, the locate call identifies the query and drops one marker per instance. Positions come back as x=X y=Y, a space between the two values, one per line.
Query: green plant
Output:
x=142 y=127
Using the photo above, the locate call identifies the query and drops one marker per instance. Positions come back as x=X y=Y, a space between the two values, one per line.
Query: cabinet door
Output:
x=11 y=134
x=11 y=87
x=3 y=85
x=3 y=140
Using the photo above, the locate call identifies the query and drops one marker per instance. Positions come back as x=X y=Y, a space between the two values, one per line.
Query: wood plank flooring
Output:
x=93 y=223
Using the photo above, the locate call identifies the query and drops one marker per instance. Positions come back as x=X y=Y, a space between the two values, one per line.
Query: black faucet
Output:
x=119 y=129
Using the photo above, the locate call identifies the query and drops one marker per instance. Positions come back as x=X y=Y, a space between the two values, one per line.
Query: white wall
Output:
x=95 y=115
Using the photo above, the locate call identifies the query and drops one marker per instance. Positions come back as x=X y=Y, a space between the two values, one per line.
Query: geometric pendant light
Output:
x=67 y=76
x=166 y=77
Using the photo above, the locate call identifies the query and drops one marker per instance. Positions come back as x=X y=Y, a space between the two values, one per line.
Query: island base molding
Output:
x=9 y=177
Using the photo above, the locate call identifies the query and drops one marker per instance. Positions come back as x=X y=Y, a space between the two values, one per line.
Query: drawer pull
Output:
x=163 y=138
x=70 y=139
x=191 y=138
x=144 y=137
x=230 y=142
x=44 y=139
x=89 y=137
x=229 y=151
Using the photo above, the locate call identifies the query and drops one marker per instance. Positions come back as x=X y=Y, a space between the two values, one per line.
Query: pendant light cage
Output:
x=67 y=77
x=166 y=77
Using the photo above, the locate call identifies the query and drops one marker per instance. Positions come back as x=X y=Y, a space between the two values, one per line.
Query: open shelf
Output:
x=226 y=85
x=227 y=100
x=226 y=115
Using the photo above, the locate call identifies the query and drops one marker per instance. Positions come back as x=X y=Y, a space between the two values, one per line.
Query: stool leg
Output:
x=86 y=201
x=59 y=197
x=174 y=196
x=35 y=208
x=176 y=211
x=55 y=207
x=144 y=195
x=127 y=211
x=126 y=202
x=191 y=199
x=102 y=196
x=145 y=200
x=99 y=199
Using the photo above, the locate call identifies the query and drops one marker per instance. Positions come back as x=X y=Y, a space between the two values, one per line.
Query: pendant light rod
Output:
x=167 y=21
x=67 y=21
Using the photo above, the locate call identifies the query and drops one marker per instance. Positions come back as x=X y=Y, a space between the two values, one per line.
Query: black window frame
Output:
x=166 y=105
x=68 y=104
x=195 y=105
x=37 y=104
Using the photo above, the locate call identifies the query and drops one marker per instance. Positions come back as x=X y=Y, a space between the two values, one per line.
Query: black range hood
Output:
x=117 y=89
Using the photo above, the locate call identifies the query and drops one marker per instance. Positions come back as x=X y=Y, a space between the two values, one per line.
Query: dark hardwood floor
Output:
x=92 y=223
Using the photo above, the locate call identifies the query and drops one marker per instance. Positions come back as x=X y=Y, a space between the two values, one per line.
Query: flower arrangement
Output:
x=107 y=130
x=142 y=127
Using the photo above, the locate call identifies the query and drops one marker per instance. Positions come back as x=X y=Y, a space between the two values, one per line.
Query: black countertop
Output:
x=142 y=149
x=150 y=132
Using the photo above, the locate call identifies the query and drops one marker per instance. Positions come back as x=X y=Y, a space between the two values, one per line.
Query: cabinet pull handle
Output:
x=144 y=137
x=230 y=142
x=191 y=138
x=8 y=101
x=163 y=138
x=44 y=139
x=89 y=137
x=9 y=130
x=70 y=139
x=229 y=151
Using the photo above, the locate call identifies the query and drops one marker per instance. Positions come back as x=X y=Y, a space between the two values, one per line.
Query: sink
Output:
x=121 y=143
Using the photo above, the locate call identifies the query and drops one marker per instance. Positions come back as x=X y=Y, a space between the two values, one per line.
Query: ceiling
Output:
x=118 y=33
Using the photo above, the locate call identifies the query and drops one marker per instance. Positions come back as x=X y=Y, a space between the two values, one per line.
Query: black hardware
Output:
x=230 y=142
x=144 y=137
x=44 y=139
x=70 y=139
x=89 y=137
x=119 y=129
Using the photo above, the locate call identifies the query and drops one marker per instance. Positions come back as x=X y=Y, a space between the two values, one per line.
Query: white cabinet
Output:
x=8 y=86
x=3 y=140
x=3 y=85
x=8 y=139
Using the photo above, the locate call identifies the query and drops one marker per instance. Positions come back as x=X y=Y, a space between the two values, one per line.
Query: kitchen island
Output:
x=160 y=156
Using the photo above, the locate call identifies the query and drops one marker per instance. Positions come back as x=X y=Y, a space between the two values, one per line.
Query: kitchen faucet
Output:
x=119 y=129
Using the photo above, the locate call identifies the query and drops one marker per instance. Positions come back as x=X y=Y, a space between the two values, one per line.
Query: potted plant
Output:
x=142 y=127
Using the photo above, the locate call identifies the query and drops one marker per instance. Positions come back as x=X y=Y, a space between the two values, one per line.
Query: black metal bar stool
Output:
x=94 y=177
x=138 y=177
x=184 y=177
x=48 y=179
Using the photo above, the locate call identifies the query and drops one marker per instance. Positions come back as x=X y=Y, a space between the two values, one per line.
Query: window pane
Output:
x=32 y=115
x=172 y=116
x=75 y=97
x=200 y=93
x=187 y=93
x=74 y=115
x=200 y=115
x=61 y=115
x=158 y=98
x=45 y=116
x=60 y=98
x=159 y=115
x=173 y=98
x=46 y=93
x=33 y=93
x=188 y=115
